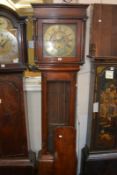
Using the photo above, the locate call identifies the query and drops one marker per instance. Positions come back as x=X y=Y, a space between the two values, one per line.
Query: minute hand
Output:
x=3 y=44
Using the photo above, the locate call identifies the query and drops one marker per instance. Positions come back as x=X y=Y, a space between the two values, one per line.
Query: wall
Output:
x=32 y=88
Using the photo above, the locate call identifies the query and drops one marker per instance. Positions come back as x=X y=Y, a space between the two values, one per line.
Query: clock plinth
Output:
x=19 y=165
x=59 y=52
x=46 y=163
x=14 y=149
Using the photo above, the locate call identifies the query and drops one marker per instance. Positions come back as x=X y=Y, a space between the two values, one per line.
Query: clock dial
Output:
x=8 y=47
x=3 y=23
x=8 y=42
x=59 y=40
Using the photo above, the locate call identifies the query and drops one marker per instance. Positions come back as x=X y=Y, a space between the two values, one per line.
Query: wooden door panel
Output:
x=65 y=151
x=58 y=107
x=12 y=122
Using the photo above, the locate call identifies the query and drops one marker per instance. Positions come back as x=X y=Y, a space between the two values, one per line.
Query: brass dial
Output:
x=3 y=23
x=59 y=40
x=8 y=47
x=8 y=42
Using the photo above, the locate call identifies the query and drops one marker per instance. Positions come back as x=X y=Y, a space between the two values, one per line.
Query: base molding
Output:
x=63 y=160
x=45 y=164
x=98 y=163
x=18 y=166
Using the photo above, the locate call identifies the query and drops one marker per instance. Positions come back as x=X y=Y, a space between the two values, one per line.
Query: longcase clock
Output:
x=59 y=52
x=100 y=153
x=14 y=148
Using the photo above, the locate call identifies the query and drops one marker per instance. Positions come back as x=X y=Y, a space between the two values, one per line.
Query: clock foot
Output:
x=63 y=161
x=18 y=166
x=98 y=163
x=46 y=164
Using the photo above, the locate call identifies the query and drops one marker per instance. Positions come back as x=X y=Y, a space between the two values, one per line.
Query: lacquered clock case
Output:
x=99 y=156
x=100 y=152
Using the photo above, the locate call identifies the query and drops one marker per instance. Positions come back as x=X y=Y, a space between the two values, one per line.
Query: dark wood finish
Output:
x=58 y=81
x=58 y=109
x=13 y=140
x=14 y=155
x=19 y=166
x=18 y=23
x=65 y=151
x=14 y=149
x=57 y=87
x=45 y=164
x=53 y=14
x=80 y=42
x=103 y=31
x=53 y=10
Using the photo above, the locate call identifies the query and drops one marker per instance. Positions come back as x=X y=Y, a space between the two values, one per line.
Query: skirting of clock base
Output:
x=45 y=164
x=98 y=163
x=17 y=166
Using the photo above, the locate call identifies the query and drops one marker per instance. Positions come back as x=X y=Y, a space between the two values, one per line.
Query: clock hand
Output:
x=1 y=44
x=4 y=43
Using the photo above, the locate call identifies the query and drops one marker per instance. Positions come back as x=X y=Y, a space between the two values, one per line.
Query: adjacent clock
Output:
x=99 y=156
x=12 y=41
x=8 y=47
x=15 y=157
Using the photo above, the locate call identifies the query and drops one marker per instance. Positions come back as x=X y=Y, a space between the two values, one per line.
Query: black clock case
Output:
x=98 y=160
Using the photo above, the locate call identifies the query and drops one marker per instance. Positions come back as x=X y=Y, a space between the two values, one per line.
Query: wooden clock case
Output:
x=99 y=156
x=59 y=89
x=14 y=148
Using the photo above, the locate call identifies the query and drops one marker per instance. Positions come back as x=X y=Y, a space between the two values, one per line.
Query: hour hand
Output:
x=3 y=43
